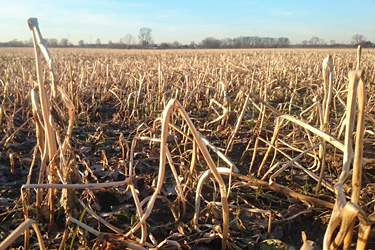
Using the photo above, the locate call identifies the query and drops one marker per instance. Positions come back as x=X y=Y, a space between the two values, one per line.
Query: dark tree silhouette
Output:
x=144 y=36
x=358 y=39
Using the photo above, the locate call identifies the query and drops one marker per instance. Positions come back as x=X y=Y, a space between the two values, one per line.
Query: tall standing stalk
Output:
x=358 y=151
x=345 y=212
x=50 y=136
x=328 y=74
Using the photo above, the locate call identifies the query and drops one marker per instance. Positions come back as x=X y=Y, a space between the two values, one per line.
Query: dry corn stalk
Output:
x=278 y=124
x=344 y=212
x=205 y=175
x=125 y=243
x=238 y=124
x=50 y=142
x=163 y=154
x=19 y=230
x=47 y=136
x=328 y=74
x=222 y=117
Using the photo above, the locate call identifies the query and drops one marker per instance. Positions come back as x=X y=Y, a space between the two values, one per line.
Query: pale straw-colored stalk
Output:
x=220 y=117
x=284 y=190
x=328 y=74
x=49 y=133
x=133 y=190
x=358 y=154
x=290 y=163
x=198 y=193
x=18 y=232
x=278 y=124
x=329 y=138
x=163 y=153
x=345 y=212
x=97 y=233
x=237 y=127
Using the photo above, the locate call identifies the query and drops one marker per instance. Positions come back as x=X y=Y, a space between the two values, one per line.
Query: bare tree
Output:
x=98 y=42
x=128 y=39
x=145 y=36
x=81 y=43
x=211 y=42
x=357 y=39
x=52 y=42
x=314 y=40
x=283 y=41
x=64 y=42
x=176 y=44
x=226 y=42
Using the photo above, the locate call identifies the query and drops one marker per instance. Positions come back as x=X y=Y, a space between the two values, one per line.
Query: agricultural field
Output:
x=187 y=149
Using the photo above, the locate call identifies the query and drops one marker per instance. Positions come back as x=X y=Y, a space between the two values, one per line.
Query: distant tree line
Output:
x=145 y=40
x=245 y=42
x=357 y=39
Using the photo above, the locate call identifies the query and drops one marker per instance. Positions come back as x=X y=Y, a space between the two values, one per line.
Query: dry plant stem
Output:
x=24 y=198
x=201 y=181
x=328 y=74
x=45 y=105
x=262 y=110
x=255 y=150
x=238 y=124
x=19 y=230
x=273 y=141
x=278 y=172
x=165 y=121
x=329 y=138
x=307 y=244
x=359 y=53
x=101 y=220
x=358 y=155
x=169 y=242
x=133 y=191
x=41 y=145
x=97 y=233
x=6 y=139
x=1 y=114
x=70 y=106
x=354 y=77
x=72 y=186
x=349 y=213
x=77 y=186
x=84 y=226
x=193 y=162
x=180 y=194
x=284 y=190
x=309 y=173
x=219 y=153
x=225 y=111
x=144 y=215
x=336 y=217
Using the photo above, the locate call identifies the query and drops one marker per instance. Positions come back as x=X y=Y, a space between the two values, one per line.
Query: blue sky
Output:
x=192 y=20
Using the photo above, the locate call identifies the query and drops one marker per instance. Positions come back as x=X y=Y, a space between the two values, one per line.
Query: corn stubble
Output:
x=280 y=108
